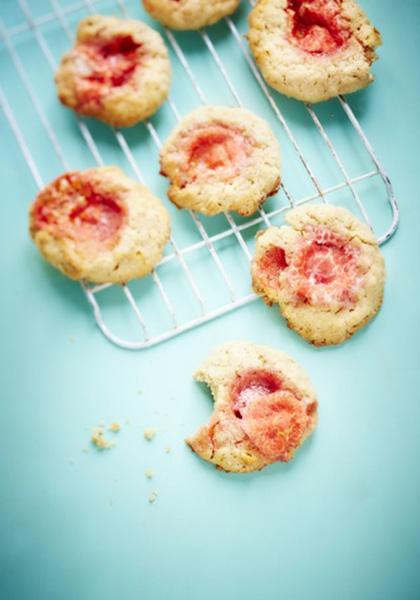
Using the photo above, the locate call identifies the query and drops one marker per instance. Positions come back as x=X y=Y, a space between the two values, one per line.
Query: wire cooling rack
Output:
x=205 y=271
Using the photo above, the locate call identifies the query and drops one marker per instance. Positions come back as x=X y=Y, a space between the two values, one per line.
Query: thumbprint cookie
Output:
x=221 y=159
x=325 y=271
x=264 y=408
x=118 y=71
x=189 y=14
x=99 y=225
x=313 y=50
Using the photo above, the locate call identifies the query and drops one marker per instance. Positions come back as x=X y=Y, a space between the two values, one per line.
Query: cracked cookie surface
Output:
x=313 y=50
x=326 y=272
x=264 y=408
x=99 y=225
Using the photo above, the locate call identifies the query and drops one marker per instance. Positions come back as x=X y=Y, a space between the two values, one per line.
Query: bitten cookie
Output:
x=99 y=225
x=118 y=71
x=313 y=50
x=264 y=408
x=220 y=159
x=189 y=14
x=326 y=272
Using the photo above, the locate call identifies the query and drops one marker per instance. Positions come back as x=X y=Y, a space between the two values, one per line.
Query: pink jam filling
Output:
x=71 y=207
x=276 y=424
x=215 y=150
x=324 y=269
x=317 y=26
x=271 y=264
x=251 y=384
x=321 y=263
x=106 y=65
x=272 y=417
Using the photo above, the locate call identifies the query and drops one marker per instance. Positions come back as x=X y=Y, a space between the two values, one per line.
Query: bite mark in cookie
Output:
x=264 y=408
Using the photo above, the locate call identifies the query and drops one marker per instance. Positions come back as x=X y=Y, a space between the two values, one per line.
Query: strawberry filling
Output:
x=324 y=269
x=276 y=424
x=317 y=26
x=102 y=66
x=214 y=150
x=270 y=265
x=321 y=262
x=272 y=417
x=251 y=384
x=71 y=207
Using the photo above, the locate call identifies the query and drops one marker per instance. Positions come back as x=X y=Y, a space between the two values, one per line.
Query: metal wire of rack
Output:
x=232 y=232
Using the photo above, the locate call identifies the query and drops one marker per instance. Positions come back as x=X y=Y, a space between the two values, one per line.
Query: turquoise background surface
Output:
x=340 y=522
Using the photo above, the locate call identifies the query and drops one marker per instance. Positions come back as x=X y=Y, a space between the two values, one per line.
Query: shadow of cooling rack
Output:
x=205 y=271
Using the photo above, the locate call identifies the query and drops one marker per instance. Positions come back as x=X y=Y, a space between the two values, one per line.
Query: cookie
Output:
x=264 y=408
x=313 y=50
x=326 y=272
x=189 y=14
x=221 y=159
x=99 y=225
x=118 y=71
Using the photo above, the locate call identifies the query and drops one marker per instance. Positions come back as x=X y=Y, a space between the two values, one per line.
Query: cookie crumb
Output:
x=72 y=339
x=85 y=450
x=167 y=449
x=139 y=392
x=99 y=440
x=115 y=427
x=152 y=497
x=149 y=433
x=149 y=473
x=127 y=421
